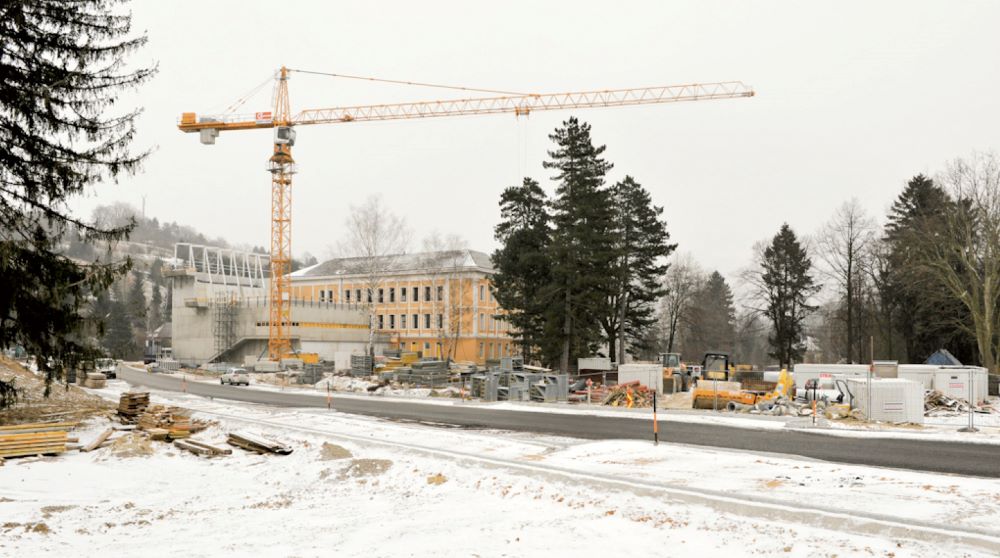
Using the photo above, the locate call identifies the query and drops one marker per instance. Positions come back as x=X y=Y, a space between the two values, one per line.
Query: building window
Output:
x=482 y=292
x=427 y=345
x=416 y=321
x=491 y=351
x=416 y=295
x=440 y=293
x=369 y=296
x=329 y=296
x=402 y=294
x=381 y=321
x=357 y=295
x=402 y=321
x=322 y=296
x=427 y=294
x=427 y=321
x=381 y=295
x=392 y=294
x=347 y=295
x=392 y=321
x=481 y=350
x=482 y=322
x=440 y=321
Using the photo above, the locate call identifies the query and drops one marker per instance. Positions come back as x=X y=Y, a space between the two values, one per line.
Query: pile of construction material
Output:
x=257 y=444
x=937 y=404
x=201 y=448
x=163 y=422
x=34 y=439
x=95 y=380
x=629 y=394
x=131 y=404
x=361 y=365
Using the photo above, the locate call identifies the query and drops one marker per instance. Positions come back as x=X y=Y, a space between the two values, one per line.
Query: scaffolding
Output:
x=225 y=312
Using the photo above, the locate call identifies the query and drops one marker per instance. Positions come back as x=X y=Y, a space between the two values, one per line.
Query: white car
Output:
x=235 y=377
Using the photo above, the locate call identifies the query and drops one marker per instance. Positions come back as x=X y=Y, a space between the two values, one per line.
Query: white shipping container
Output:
x=953 y=381
x=805 y=372
x=649 y=375
x=923 y=373
x=595 y=363
x=892 y=399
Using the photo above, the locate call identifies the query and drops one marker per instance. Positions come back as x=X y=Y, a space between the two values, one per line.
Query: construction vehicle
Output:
x=282 y=166
x=718 y=386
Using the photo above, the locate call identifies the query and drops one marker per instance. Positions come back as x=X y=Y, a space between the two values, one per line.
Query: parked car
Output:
x=106 y=366
x=236 y=377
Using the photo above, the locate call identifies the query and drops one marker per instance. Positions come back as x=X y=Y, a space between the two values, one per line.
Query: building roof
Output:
x=401 y=263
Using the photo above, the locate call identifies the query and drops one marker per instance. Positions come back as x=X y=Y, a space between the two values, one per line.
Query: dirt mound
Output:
x=437 y=479
x=63 y=403
x=132 y=445
x=366 y=468
x=329 y=452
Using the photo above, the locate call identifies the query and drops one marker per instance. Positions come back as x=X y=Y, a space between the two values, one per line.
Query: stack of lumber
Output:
x=630 y=394
x=34 y=439
x=132 y=404
x=201 y=448
x=174 y=420
x=258 y=444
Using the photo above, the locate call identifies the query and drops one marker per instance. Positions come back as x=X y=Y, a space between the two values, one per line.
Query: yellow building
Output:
x=438 y=303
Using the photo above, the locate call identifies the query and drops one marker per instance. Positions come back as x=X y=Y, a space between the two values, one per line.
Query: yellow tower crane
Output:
x=282 y=165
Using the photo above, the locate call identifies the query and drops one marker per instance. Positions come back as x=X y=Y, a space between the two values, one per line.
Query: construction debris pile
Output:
x=163 y=422
x=937 y=404
x=630 y=394
x=95 y=380
x=34 y=439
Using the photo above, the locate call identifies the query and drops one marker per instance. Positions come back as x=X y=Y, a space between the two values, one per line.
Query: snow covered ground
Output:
x=409 y=489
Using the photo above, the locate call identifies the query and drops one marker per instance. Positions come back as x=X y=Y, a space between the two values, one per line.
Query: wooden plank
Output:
x=215 y=449
x=38 y=450
x=96 y=443
x=38 y=427
x=197 y=450
x=33 y=436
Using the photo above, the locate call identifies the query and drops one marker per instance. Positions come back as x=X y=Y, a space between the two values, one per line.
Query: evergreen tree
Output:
x=168 y=303
x=788 y=286
x=119 y=338
x=927 y=316
x=521 y=263
x=155 y=309
x=156 y=272
x=63 y=66
x=581 y=250
x=641 y=246
x=136 y=305
x=710 y=323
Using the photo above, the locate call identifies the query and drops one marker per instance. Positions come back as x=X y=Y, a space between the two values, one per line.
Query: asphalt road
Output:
x=921 y=455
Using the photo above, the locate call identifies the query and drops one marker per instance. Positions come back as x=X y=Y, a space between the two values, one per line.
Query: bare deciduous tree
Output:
x=965 y=256
x=682 y=280
x=843 y=245
x=378 y=238
x=442 y=260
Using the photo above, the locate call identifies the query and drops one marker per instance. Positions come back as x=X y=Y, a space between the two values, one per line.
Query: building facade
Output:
x=437 y=303
x=220 y=312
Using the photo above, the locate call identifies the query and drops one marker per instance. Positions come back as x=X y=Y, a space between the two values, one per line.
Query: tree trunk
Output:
x=621 y=329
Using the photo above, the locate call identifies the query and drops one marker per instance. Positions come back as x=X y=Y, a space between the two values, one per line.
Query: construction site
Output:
x=669 y=348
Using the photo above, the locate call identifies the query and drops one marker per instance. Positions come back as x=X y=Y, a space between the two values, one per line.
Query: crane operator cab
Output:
x=284 y=135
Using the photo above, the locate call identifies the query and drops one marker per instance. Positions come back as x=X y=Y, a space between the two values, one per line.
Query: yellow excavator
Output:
x=717 y=388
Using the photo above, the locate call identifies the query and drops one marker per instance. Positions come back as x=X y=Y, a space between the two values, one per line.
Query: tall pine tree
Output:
x=64 y=64
x=522 y=264
x=710 y=323
x=927 y=316
x=581 y=251
x=641 y=246
x=788 y=287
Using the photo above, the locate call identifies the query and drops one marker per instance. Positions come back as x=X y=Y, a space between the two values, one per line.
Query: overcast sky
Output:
x=852 y=99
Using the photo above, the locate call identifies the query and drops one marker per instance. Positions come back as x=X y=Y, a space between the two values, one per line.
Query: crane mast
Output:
x=281 y=165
